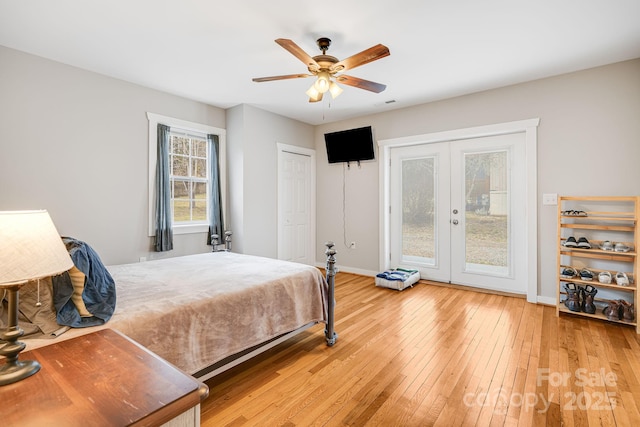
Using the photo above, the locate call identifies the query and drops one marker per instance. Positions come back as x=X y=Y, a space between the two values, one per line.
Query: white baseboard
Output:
x=540 y=298
x=350 y=270
x=546 y=300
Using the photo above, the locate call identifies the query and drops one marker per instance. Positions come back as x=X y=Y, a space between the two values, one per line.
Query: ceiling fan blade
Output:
x=296 y=51
x=285 y=77
x=373 y=53
x=361 y=83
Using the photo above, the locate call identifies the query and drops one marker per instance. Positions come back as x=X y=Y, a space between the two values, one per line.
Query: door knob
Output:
x=455 y=222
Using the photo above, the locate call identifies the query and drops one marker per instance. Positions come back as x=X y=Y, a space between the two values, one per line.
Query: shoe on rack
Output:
x=586 y=274
x=568 y=273
x=583 y=243
x=588 y=295
x=628 y=310
x=622 y=279
x=612 y=311
x=571 y=242
x=572 y=302
x=621 y=247
x=573 y=213
x=606 y=246
x=604 y=277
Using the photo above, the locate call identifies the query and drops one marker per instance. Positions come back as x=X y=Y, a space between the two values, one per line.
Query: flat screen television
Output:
x=353 y=145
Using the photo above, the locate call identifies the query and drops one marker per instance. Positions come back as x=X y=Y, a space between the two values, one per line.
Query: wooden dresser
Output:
x=101 y=379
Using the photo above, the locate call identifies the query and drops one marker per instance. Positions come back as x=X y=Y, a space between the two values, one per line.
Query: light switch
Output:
x=550 y=199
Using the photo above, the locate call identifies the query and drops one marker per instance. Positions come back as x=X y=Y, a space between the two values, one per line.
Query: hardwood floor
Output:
x=433 y=355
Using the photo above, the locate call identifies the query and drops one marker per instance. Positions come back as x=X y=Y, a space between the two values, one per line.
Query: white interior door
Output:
x=296 y=204
x=457 y=211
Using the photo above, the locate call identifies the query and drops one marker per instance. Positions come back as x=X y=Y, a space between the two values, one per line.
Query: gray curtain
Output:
x=164 y=233
x=215 y=207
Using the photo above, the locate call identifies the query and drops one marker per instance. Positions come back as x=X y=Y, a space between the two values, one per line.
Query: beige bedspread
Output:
x=196 y=310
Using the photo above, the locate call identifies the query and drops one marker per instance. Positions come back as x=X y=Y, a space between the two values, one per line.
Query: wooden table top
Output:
x=99 y=379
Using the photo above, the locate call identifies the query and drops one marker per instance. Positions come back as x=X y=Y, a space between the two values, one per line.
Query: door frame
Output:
x=530 y=129
x=294 y=149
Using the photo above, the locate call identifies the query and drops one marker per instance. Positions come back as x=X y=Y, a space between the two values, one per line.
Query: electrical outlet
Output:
x=550 y=199
x=143 y=258
x=352 y=245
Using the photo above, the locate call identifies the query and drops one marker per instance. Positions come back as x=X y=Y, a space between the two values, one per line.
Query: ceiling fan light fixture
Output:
x=323 y=82
x=335 y=89
x=324 y=67
x=313 y=94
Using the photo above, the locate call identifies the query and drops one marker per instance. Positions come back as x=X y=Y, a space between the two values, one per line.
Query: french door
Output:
x=457 y=211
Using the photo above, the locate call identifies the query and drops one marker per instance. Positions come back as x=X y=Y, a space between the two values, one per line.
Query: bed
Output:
x=208 y=312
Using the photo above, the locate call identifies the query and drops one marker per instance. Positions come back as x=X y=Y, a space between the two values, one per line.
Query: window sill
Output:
x=190 y=229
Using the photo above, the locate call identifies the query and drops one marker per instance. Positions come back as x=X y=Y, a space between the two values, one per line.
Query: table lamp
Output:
x=30 y=249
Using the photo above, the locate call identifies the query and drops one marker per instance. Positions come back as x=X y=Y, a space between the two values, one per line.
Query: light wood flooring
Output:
x=434 y=355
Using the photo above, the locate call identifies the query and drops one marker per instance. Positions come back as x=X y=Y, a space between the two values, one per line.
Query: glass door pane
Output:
x=486 y=212
x=418 y=211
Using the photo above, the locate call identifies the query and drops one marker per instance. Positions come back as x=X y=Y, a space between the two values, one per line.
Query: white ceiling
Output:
x=209 y=50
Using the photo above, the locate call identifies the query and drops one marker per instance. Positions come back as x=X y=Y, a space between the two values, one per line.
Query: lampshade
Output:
x=335 y=90
x=323 y=82
x=313 y=93
x=30 y=247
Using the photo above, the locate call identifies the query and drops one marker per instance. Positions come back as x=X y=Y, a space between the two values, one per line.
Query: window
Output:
x=189 y=157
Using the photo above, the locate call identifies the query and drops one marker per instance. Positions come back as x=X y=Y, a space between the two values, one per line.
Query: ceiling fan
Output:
x=325 y=67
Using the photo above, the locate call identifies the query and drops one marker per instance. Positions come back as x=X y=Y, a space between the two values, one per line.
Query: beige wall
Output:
x=588 y=144
x=76 y=143
x=253 y=135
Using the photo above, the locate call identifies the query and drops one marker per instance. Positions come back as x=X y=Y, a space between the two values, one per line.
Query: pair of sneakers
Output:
x=621 y=278
x=570 y=273
x=573 y=213
x=618 y=247
x=581 y=243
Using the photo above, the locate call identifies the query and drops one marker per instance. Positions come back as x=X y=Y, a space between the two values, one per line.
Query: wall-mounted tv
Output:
x=353 y=145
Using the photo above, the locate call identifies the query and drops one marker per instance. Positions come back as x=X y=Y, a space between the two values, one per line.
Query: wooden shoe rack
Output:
x=599 y=219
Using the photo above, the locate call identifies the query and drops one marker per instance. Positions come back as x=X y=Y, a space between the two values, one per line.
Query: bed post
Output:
x=227 y=240
x=329 y=332
x=215 y=242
